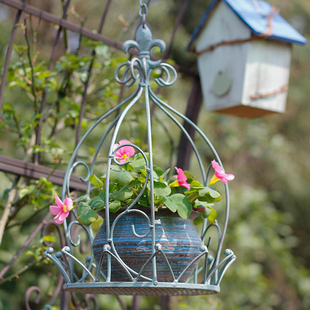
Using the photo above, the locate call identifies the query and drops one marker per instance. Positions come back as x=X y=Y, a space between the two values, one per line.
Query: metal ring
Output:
x=143 y=10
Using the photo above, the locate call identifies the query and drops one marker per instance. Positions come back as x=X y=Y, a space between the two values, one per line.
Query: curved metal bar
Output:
x=116 y=130
x=218 y=265
x=191 y=263
x=159 y=247
x=89 y=297
x=216 y=157
x=127 y=211
x=63 y=250
x=123 y=81
x=74 y=154
x=88 y=261
x=58 y=263
x=145 y=264
x=107 y=251
x=100 y=272
x=163 y=83
x=157 y=101
x=135 y=63
x=225 y=267
x=78 y=236
x=192 y=124
x=27 y=296
x=215 y=224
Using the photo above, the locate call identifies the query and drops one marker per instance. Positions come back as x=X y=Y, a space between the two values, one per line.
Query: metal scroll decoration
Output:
x=97 y=275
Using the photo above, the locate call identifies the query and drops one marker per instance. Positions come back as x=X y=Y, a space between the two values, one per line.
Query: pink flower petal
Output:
x=58 y=201
x=68 y=202
x=216 y=166
x=124 y=141
x=181 y=178
x=63 y=215
x=220 y=174
x=181 y=175
x=55 y=209
x=59 y=218
x=125 y=152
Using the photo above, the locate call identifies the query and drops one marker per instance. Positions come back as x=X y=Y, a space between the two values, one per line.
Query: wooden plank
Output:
x=32 y=171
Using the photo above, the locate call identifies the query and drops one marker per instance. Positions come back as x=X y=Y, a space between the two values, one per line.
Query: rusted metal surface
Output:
x=61 y=22
x=33 y=171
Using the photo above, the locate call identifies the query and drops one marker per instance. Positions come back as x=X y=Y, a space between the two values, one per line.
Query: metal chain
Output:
x=143 y=11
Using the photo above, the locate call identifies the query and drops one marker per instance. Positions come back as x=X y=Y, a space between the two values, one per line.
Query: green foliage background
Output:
x=269 y=227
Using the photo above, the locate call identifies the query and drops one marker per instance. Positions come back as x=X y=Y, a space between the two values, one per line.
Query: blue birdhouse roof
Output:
x=256 y=18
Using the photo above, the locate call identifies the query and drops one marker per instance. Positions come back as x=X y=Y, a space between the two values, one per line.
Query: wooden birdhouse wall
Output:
x=247 y=79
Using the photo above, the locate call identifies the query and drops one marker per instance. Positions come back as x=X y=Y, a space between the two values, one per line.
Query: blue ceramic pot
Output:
x=178 y=237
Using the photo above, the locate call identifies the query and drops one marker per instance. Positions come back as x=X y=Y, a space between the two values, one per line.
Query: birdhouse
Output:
x=244 y=52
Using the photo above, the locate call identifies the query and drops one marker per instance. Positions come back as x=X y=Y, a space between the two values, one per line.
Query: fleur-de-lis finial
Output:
x=144 y=43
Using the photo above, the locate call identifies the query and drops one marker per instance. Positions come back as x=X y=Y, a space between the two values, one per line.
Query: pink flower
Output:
x=62 y=209
x=125 y=152
x=219 y=174
x=181 y=179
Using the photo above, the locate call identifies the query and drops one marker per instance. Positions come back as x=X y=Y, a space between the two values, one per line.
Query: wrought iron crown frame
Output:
x=92 y=278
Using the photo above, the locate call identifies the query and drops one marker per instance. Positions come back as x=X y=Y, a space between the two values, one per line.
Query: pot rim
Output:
x=163 y=211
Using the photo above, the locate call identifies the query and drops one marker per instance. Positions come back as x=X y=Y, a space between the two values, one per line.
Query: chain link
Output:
x=143 y=8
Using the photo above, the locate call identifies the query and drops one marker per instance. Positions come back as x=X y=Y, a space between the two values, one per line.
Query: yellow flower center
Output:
x=65 y=208
x=124 y=156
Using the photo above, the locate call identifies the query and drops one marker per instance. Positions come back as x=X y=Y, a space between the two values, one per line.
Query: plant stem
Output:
x=31 y=66
x=23 y=270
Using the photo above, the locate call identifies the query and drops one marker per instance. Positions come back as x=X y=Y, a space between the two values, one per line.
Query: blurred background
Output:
x=269 y=226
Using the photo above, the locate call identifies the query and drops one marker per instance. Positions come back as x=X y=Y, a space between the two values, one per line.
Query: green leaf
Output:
x=86 y=214
x=181 y=203
x=48 y=238
x=114 y=206
x=158 y=170
x=210 y=195
x=122 y=195
x=170 y=204
x=161 y=189
x=137 y=164
x=25 y=191
x=134 y=183
x=81 y=207
x=81 y=198
x=195 y=184
x=205 y=214
x=189 y=175
x=95 y=180
x=165 y=173
x=97 y=203
x=198 y=220
x=212 y=216
x=120 y=176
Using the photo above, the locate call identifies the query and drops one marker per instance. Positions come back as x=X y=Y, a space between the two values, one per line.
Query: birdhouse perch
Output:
x=244 y=52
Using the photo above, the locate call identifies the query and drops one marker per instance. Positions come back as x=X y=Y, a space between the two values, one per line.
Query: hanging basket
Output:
x=141 y=250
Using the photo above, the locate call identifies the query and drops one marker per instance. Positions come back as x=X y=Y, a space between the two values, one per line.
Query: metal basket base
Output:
x=128 y=288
